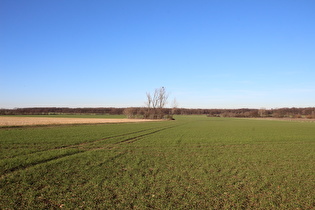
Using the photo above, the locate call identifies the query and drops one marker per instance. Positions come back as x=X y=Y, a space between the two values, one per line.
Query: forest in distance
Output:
x=137 y=112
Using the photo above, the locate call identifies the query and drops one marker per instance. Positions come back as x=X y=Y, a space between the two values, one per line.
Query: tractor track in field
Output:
x=15 y=169
x=133 y=139
x=82 y=143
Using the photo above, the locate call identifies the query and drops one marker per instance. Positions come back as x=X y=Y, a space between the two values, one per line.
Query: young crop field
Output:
x=194 y=162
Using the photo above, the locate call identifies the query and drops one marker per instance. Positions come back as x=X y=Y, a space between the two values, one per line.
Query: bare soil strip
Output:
x=26 y=121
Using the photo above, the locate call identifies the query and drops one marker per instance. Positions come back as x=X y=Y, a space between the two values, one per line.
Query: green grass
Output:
x=193 y=162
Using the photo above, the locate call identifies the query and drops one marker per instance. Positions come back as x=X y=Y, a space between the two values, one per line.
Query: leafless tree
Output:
x=156 y=103
x=162 y=97
x=174 y=106
x=149 y=100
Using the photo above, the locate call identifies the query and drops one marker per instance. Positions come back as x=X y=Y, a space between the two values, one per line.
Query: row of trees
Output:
x=276 y=113
x=155 y=108
x=61 y=110
x=158 y=112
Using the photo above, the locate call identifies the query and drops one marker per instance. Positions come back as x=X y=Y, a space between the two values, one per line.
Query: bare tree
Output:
x=155 y=99
x=174 y=106
x=156 y=103
x=149 y=105
x=149 y=100
x=162 y=97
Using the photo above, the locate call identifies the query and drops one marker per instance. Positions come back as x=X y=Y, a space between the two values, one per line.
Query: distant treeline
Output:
x=138 y=112
x=61 y=110
x=276 y=113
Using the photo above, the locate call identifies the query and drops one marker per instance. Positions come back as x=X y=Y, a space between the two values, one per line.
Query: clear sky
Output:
x=109 y=53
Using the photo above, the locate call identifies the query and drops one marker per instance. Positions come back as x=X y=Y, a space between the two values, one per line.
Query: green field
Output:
x=193 y=162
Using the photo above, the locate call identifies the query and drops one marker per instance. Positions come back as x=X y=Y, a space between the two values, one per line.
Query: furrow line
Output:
x=22 y=167
x=133 y=139
x=129 y=140
x=83 y=143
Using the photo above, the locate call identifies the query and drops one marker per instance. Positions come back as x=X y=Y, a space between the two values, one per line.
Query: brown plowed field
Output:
x=24 y=121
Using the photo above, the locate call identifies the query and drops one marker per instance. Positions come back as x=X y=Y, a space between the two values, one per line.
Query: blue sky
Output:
x=109 y=53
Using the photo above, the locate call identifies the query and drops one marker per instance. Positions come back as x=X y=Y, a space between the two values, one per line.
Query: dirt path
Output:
x=21 y=121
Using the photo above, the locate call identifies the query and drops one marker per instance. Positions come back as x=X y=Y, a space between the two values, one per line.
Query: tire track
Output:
x=81 y=143
x=21 y=167
x=15 y=169
x=133 y=139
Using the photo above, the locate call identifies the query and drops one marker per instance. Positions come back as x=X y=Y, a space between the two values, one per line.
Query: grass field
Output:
x=193 y=162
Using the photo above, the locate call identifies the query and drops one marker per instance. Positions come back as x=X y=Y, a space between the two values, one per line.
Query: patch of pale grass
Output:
x=24 y=121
